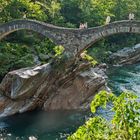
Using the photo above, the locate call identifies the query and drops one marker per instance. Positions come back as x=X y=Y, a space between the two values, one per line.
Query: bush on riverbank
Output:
x=125 y=124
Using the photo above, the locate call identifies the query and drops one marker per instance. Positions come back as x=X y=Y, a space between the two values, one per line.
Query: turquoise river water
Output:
x=58 y=125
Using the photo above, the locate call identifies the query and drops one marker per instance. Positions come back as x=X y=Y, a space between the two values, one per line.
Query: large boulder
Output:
x=49 y=89
x=126 y=56
x=77 y=91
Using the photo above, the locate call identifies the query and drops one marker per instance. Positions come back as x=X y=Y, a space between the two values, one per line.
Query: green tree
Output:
x=72 y=12
x=15 y=9
x=125 y=124
x=52 y=9
x=14 y=56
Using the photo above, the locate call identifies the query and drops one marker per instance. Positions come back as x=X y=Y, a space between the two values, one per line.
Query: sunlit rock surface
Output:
x=126 y=56
x=49 y=89
x=76 y=92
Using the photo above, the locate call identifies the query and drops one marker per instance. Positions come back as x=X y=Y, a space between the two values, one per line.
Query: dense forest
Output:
x=24 y=45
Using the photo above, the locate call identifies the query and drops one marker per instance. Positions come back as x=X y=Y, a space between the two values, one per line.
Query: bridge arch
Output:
x=73 y=40
x=92 y=35
x=26 y=24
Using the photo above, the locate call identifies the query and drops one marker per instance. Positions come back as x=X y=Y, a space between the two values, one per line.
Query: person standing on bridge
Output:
x=24 y=15
x=131 y=16
x=83 y=26
x=108 y=19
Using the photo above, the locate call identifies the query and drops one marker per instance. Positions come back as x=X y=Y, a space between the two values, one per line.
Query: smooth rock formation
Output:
x=76 y=92
x=126 y=56
x=49 y=89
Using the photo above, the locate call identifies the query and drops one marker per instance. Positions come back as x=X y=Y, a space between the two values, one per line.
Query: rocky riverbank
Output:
x=126 y=56
x=47 y=88
x=55 y=86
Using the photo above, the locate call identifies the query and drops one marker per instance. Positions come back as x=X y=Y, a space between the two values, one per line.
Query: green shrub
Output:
x=14 y=56
x=125 y=124
x=88 y=58
x=58 y=50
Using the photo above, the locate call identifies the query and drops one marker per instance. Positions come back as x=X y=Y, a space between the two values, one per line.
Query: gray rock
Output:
x=42 y=86
x=126 y=56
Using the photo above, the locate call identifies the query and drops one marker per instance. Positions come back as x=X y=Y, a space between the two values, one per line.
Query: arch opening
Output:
x=24 y=48
x=101 y=49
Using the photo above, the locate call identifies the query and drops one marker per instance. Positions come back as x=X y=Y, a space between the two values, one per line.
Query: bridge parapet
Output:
x=74 y=40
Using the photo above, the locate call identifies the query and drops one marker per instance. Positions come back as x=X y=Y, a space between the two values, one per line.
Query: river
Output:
x=124 y=78
x=58 y=125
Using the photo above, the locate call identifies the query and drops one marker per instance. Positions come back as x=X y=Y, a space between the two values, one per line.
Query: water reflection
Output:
x=40 y=125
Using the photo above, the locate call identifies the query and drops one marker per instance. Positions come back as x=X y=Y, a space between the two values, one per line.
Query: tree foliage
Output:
x=16 y=9
x=125 y=124
x=14 y=56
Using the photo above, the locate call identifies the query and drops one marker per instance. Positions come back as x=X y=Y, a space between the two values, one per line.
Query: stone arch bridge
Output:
x=61 y=89
x=74 y=40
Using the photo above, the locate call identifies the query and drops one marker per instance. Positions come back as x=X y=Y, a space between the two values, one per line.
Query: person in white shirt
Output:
x=24 y=15
x=108 y=19
x=131 y=16
x=85 y=25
